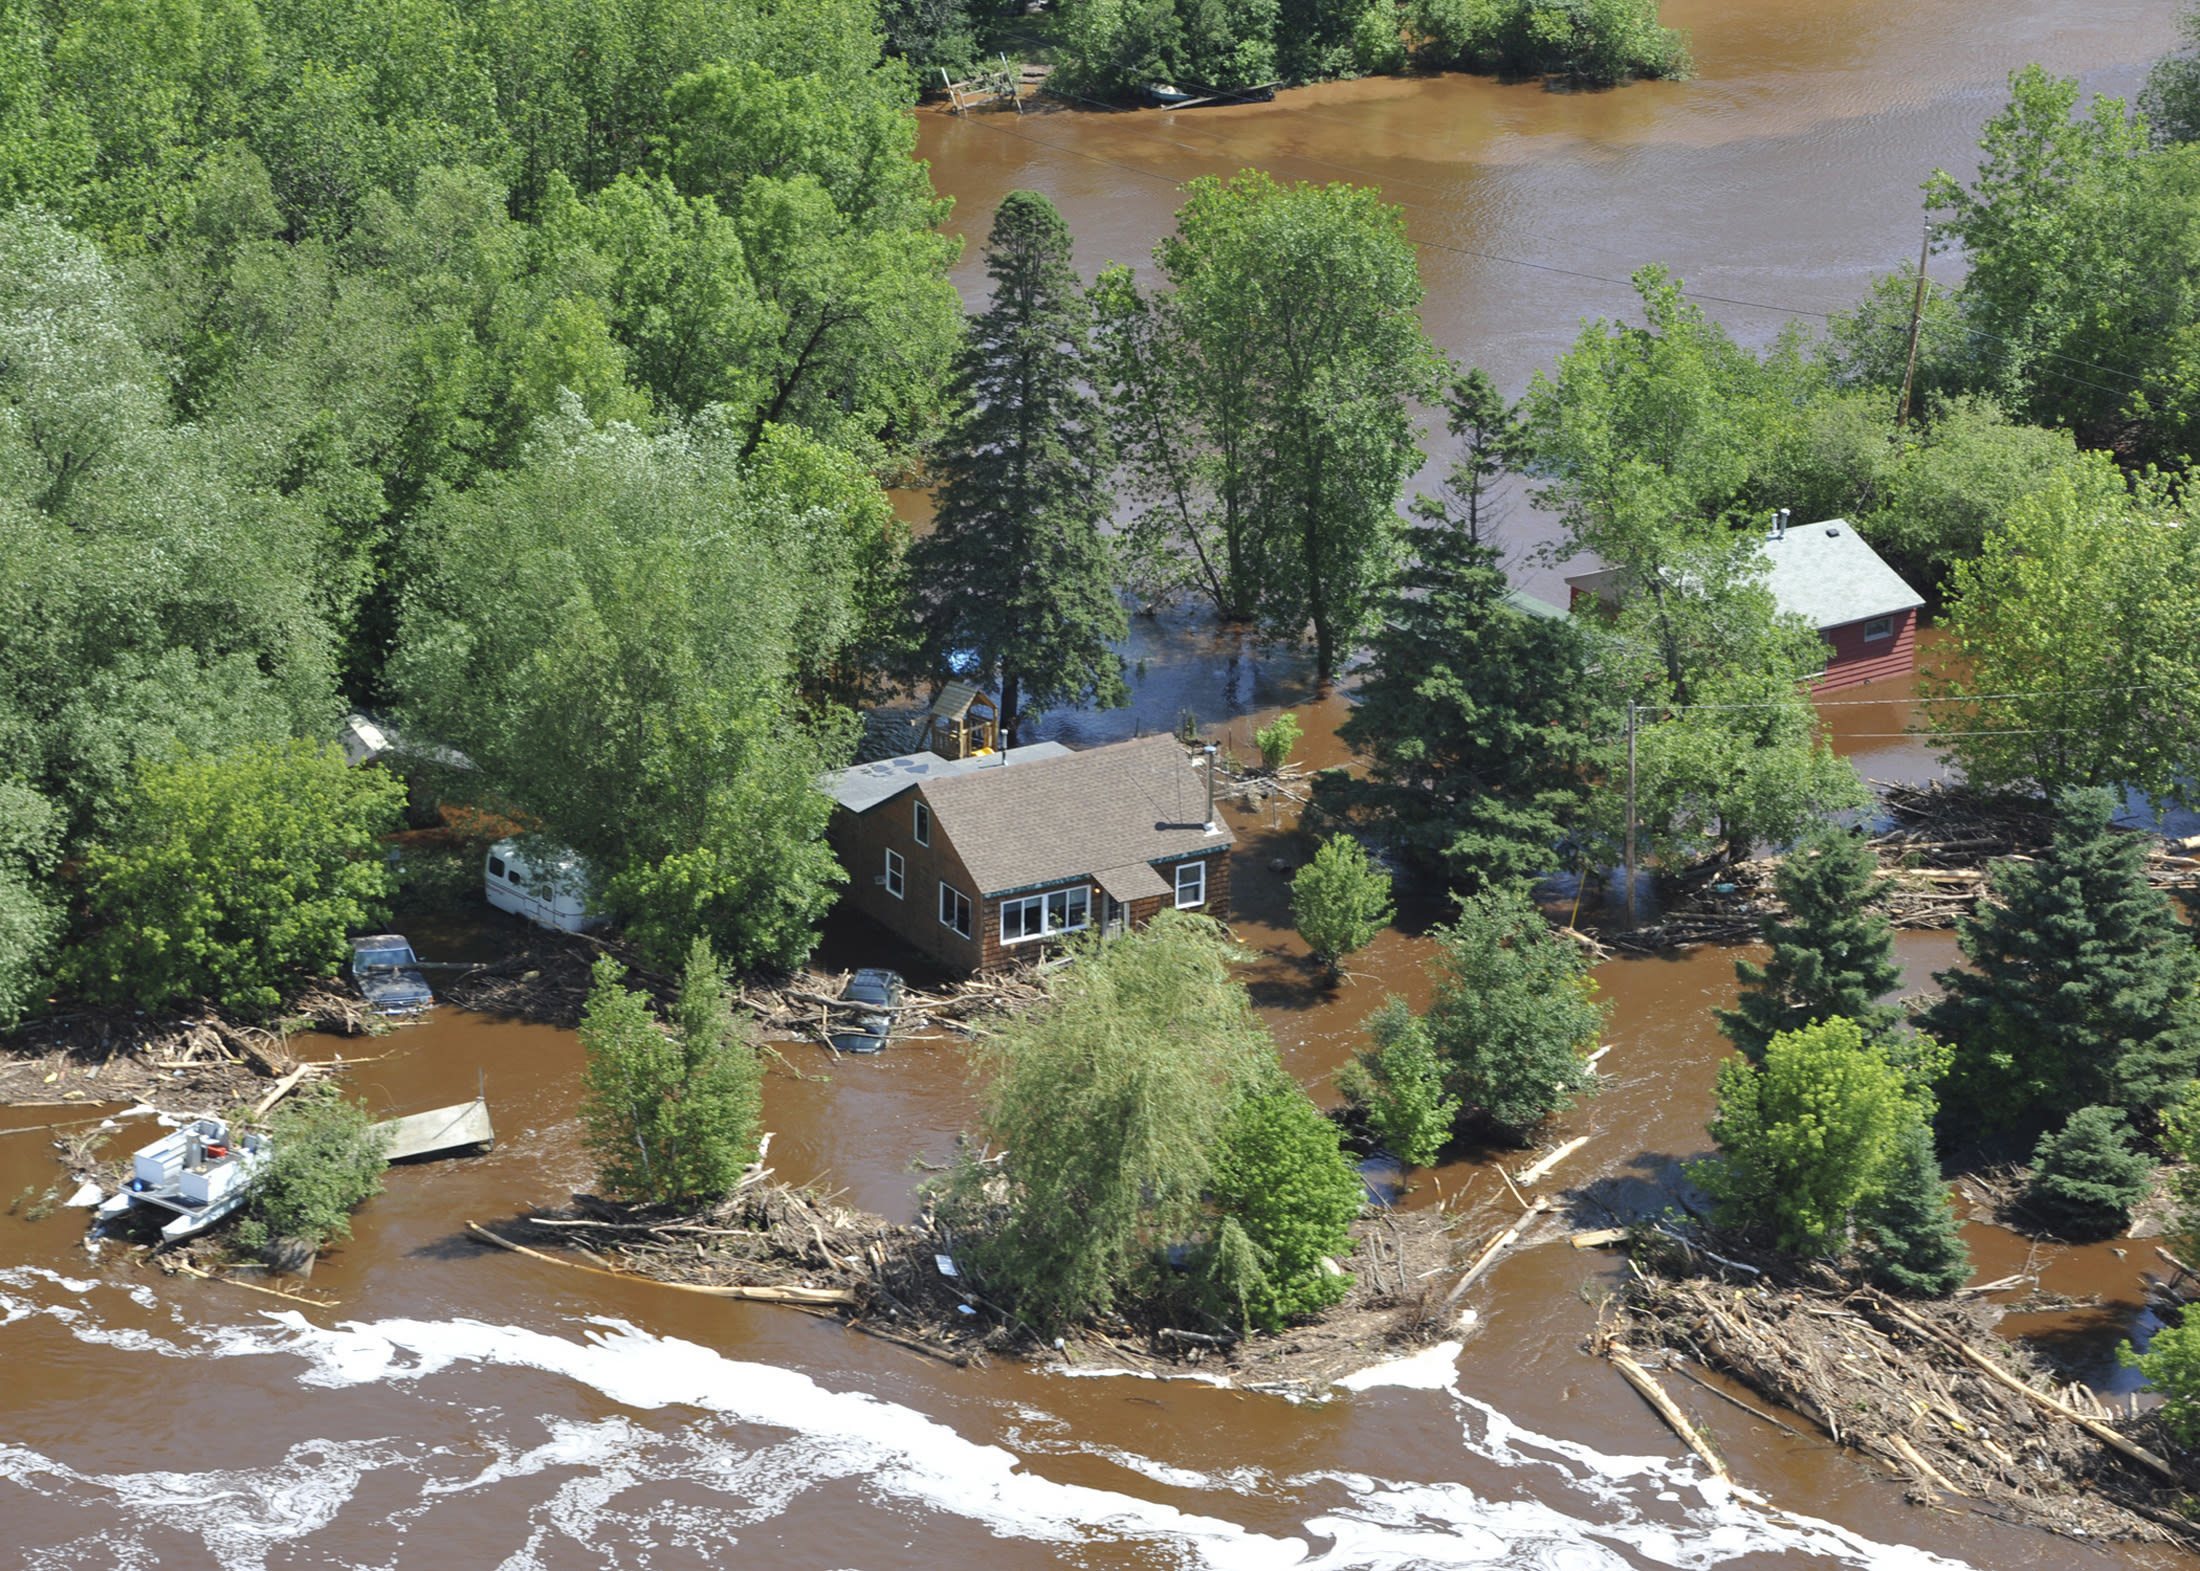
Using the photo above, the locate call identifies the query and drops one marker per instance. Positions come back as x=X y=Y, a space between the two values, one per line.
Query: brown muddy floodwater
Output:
x=470 y=1409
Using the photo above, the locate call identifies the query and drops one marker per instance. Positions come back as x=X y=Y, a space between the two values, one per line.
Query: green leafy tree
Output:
x=1017 y=576
x=1340 y=900
x=2171 y=1365
x=1599 y=41
x=2171 y=98
x=1912 y=1239
x=671 y=1113
x=1282 y=1179
x=2086 y=1177
x=2079 y=617
x=30 y=915
x=2180 y=1139
x=229 y=875
x=1833 y=954
x=1480 y=723
x=1114 y=1100
x=326 y=1160
x=612 y=635
x=2080 y=988
x=1397 y=1083
x=1513 y=1015
x=1264 y=403
x=1810 y=1140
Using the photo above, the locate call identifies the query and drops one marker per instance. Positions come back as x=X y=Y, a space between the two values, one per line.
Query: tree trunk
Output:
x=1011 y=719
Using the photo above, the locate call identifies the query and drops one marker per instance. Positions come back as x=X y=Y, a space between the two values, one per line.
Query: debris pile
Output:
x=1926 y=1390
x=1935 y=858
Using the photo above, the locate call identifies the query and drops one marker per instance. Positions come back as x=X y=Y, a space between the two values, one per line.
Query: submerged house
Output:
x=978 y=861
x=1829 y=575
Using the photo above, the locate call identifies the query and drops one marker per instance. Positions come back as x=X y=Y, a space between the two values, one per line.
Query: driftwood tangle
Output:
x=1925 y=1390
x=1934 y=862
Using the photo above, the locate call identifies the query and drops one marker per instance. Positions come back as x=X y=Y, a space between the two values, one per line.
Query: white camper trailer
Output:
x=540 y=883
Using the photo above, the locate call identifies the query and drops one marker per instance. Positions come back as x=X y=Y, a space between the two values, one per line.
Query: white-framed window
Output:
x=955 y=909
x=895 y=883
x=1043 y=916
x=921 y=823
x=1879 y=627
x=1191 y=885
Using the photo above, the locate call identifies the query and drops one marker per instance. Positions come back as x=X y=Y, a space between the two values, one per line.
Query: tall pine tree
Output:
x=1912 y=1240
x=2082 y=987
x=1490 y=442
x=1478 y=720
x=1833 y=954
x=1016 y=583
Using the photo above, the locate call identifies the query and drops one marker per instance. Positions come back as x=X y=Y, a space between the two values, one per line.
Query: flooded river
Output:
x=465 y=1408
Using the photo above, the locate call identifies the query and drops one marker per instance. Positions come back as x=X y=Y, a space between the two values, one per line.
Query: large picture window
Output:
x=955 y=909
x=1191 y=885
x=895 y=882
x=1042 y=916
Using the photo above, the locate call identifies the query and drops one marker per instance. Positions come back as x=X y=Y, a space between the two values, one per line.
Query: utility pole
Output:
x=1917 y=322
x=1630 y=815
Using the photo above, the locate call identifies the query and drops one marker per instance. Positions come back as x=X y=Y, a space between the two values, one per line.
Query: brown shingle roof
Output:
x=1057 y=819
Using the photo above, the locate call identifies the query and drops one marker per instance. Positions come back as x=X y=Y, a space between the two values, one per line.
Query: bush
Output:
x=1340 y=900
x=2171 y=1364
x=229 y=873
x=1276 y=739
x=2085 y=1176
x=1809 y=1140
x=1281 y=1177
x=671 y=1116
x=1398 y=1086
x=327 y=1161
x=1595 y=40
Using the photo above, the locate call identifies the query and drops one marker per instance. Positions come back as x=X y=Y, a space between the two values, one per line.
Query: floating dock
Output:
x=440 y=1130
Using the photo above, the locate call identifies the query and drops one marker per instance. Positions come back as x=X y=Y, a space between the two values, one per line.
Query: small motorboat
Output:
x=388 y=974
x=198 y=1173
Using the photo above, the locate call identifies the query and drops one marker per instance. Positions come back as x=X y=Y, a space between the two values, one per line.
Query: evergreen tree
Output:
x=1490 y=443
x=1479 y=723
x=1831 y=955
x=1017 y=578
x=1913 y=1241
x=2084 y=984
x=2085 y=1176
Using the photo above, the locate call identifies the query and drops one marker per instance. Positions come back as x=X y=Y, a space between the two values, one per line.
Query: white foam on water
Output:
x=1431 y=1369
x=617 y=1477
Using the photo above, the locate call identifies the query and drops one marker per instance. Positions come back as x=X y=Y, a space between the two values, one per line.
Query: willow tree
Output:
x=1264 y=401
x=1144 y=1111
x=1017 y=581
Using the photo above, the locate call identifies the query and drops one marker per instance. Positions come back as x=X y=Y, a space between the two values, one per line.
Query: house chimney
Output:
x=1209 y=750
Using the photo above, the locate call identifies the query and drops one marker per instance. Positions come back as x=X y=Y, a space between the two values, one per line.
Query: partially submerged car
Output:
x=389 y=976
x=877 y=995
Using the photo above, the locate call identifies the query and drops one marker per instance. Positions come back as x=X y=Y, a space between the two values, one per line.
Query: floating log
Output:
x=1675 y=1419
x=1926 y=1472
x=1531 y=1174
x=254 y=1287
x=1505 y=1240
x=1599 y=1237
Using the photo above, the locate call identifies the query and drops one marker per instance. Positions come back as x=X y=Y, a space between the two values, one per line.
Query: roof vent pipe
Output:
x=1780 y=524
x=1209 y=750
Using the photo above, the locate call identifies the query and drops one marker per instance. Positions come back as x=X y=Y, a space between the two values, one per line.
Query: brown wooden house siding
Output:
x=1852 y=660
x=862 y=841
